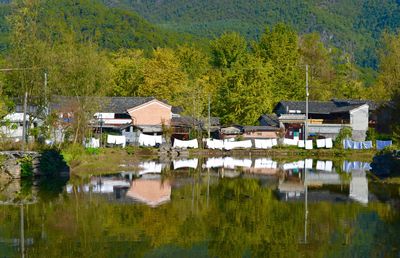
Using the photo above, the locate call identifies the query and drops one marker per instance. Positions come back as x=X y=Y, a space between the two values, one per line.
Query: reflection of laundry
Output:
x=359 y=187
x=214 y=163
x=186 y=144
x=309 y=163
x=320 y=165
x=349 y=166
x=232 y=163
x=328 y=165
x=150 y=167
x=187 y=163
x=265 y=163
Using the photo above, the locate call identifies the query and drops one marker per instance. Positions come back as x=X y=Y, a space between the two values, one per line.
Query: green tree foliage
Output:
x=280 y=47
x=163 y=77
x=127 y=72
x=228 y=49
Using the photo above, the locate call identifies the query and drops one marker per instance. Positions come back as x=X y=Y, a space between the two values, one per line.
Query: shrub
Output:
x=26 y=166
x=51 y=162
x=344 y=133
x=73 y=153
x=92 y=151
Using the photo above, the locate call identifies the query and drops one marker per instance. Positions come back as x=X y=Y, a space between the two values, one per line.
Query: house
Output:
x=11 y=126
x=260 y=132
x=326 y=118
x=182 y=126
x=128 y=116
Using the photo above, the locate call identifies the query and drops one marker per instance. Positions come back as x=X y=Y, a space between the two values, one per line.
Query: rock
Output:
x=12 y=168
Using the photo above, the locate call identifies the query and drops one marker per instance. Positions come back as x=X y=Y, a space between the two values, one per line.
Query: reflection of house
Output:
x=326 y=118
x=150 y=192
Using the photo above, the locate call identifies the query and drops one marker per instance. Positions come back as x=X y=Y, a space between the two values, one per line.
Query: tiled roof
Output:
x=259 y=128
x=269 y=120
x=105 y=104
x=324 y=107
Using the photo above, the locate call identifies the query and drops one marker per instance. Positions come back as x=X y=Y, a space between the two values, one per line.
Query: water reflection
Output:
x=226 y=207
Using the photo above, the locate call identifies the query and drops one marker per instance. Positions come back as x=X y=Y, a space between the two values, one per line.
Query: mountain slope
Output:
x=111 y=28
x=354 y=25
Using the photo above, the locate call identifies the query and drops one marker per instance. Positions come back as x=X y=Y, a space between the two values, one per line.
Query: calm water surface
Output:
x=215 y=207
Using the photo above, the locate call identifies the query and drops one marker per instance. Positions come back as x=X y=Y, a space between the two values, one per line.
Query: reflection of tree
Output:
x=241 y=218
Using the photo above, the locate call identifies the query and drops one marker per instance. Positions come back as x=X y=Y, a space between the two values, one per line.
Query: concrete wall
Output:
x=152 y=113
x=260 y=135
x=326 y=130
x=359 y=118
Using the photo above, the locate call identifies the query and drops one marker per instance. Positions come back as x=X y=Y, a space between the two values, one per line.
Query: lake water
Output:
x=208 y=207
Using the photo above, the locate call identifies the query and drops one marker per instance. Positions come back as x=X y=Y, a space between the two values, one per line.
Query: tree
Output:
x=127 y=72
x=279 y=46
x=164 y=78
x=245 y=92
x=228 y=49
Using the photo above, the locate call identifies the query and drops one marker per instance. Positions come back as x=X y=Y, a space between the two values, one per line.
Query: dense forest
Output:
x=354 y=26
x=89 y=49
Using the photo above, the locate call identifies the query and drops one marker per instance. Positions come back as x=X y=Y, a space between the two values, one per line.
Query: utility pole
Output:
x=24 y=129
x=306 y=120
x=45 y=94
x=209 y=116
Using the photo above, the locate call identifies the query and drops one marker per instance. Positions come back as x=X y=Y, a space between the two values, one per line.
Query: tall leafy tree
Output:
x=164 y=78
x=280 y=46
x=228 y=49
x=127 y=72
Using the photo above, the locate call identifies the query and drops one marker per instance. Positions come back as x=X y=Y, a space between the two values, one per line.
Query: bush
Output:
x=26 y=166
x=51 y=162
x=92 y=151
x=73 y=153
x=130 y=150
x=345 y=132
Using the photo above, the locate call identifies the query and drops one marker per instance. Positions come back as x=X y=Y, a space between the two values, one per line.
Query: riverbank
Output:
x=113 y=160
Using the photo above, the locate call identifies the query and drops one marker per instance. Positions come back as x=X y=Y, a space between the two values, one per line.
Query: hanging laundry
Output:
x=380 y=145
x=290 y=142
x=229 y=145
x=320 y=143
x=149 y=140
x=367 y=145
x=215 y=144
x=274 y=142
x=301 y=144
x=117 y=140
x=186 y=144
x=328 y=143
x=309 y=145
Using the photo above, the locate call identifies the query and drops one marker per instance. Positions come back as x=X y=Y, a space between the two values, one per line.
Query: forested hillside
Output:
x=110 y=28
x=353 y=25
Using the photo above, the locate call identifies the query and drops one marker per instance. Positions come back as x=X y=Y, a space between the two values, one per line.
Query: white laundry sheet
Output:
x=150 y=167
x=215 y=144
x=186 y=163
x=265 y=163
x=308 y=163
x=320 y=143
x=309 y=145
x=149 y=140
x=228 y=145
x=232 y=163
x=117 y=140
x=186 y=144
x=92 y=143
x=264 y=144
x=300 y=144
x=328 y=143
x=291 y=142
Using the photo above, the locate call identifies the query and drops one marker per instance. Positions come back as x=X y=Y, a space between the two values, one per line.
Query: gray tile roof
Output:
x=259 y=128
x=325 y=107
x=105 y=104
x=269 y=120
